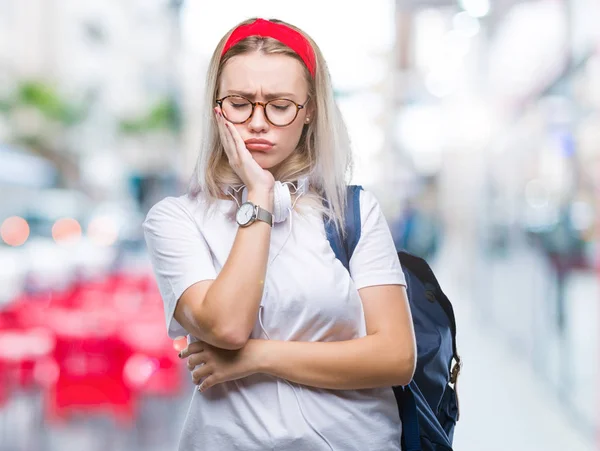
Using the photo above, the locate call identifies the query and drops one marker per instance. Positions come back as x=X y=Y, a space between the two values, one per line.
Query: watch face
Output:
x=245 y=213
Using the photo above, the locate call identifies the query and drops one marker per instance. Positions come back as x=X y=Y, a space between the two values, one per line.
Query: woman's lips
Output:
x=258 y=144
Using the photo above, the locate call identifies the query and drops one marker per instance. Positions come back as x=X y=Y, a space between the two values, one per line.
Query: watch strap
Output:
x=264 y=215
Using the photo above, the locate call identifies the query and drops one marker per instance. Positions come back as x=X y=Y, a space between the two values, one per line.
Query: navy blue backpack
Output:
x=428 y=406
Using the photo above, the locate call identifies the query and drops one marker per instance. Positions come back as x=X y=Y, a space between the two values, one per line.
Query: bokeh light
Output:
x=14 y=231
x=66 y=230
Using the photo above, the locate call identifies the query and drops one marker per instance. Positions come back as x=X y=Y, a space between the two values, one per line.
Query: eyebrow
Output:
x=251 y=96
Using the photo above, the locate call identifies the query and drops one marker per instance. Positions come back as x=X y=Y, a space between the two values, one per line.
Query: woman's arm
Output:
x=385 y=357
x=222 y=312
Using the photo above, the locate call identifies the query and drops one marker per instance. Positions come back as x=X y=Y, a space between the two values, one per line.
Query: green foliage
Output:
x=45 y=99
x=164 y=115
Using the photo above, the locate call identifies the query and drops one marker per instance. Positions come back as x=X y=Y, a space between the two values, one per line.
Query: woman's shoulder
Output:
x=371 y=210
x=174 y=208
x=196 y=208
x=368 y=198
x=368 y=202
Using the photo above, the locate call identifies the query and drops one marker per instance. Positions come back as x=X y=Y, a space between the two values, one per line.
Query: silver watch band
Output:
x=263 y=215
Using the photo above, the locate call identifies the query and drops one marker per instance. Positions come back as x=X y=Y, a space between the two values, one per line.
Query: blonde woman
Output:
x=290 y=351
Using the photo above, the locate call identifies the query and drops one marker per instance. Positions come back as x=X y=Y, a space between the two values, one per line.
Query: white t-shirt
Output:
x=309 y=296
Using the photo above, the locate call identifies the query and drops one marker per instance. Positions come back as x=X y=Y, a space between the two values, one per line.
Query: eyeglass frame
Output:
x=264 y=105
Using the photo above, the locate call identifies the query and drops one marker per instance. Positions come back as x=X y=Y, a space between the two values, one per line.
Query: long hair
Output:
x=323 y=152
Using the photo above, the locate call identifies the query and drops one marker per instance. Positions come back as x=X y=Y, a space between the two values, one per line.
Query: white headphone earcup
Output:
x=276 y=202
x=282 y=202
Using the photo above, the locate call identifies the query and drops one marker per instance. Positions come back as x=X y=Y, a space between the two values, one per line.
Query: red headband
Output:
x=280 y=32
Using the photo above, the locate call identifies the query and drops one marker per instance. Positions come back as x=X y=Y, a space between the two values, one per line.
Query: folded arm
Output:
x=386 y=356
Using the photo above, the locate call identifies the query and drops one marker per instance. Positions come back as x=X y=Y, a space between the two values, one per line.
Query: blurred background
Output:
x=475 y=122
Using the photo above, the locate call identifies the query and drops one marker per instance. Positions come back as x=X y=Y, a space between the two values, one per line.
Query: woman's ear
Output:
x=309 y=114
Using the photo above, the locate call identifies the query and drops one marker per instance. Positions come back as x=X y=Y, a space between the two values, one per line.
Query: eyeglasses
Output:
x=279 y=112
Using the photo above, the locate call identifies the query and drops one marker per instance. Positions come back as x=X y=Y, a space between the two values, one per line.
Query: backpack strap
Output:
x=344 y=248
x=411 y=433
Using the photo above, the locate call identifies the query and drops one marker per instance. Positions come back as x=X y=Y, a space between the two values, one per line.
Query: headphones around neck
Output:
x=282 y=196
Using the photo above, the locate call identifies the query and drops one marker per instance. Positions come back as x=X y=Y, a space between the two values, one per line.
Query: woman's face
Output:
x=260 y=78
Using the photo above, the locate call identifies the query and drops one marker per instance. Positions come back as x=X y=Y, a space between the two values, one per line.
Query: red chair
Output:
x=90 y=358
x=109 y=345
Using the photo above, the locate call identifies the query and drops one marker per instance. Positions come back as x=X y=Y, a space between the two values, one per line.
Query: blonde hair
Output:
x=323 y=152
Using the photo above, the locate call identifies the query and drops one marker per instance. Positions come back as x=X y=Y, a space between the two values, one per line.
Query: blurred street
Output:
x=475 y=123
x=504 y=403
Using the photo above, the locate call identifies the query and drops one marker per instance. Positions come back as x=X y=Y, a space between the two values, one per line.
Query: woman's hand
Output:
x=210 y=365
x=240 y=159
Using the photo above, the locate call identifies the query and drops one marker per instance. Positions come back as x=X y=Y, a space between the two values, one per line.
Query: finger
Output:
x=226 y=140
x=192 y=348
x=207 y=383
x=200 y=373
x=238 y=142
x=220 y=120
x=196 y=359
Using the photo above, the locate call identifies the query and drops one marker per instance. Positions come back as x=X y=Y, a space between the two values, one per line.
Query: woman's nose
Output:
x=258 y=121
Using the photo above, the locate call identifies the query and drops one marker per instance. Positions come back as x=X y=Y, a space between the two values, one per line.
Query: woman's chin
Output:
x=264 y=160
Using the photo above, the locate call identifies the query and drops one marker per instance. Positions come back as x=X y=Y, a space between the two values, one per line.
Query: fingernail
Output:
x=182 y=352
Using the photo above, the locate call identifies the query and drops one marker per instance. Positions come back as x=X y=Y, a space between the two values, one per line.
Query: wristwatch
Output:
x=249 y=212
